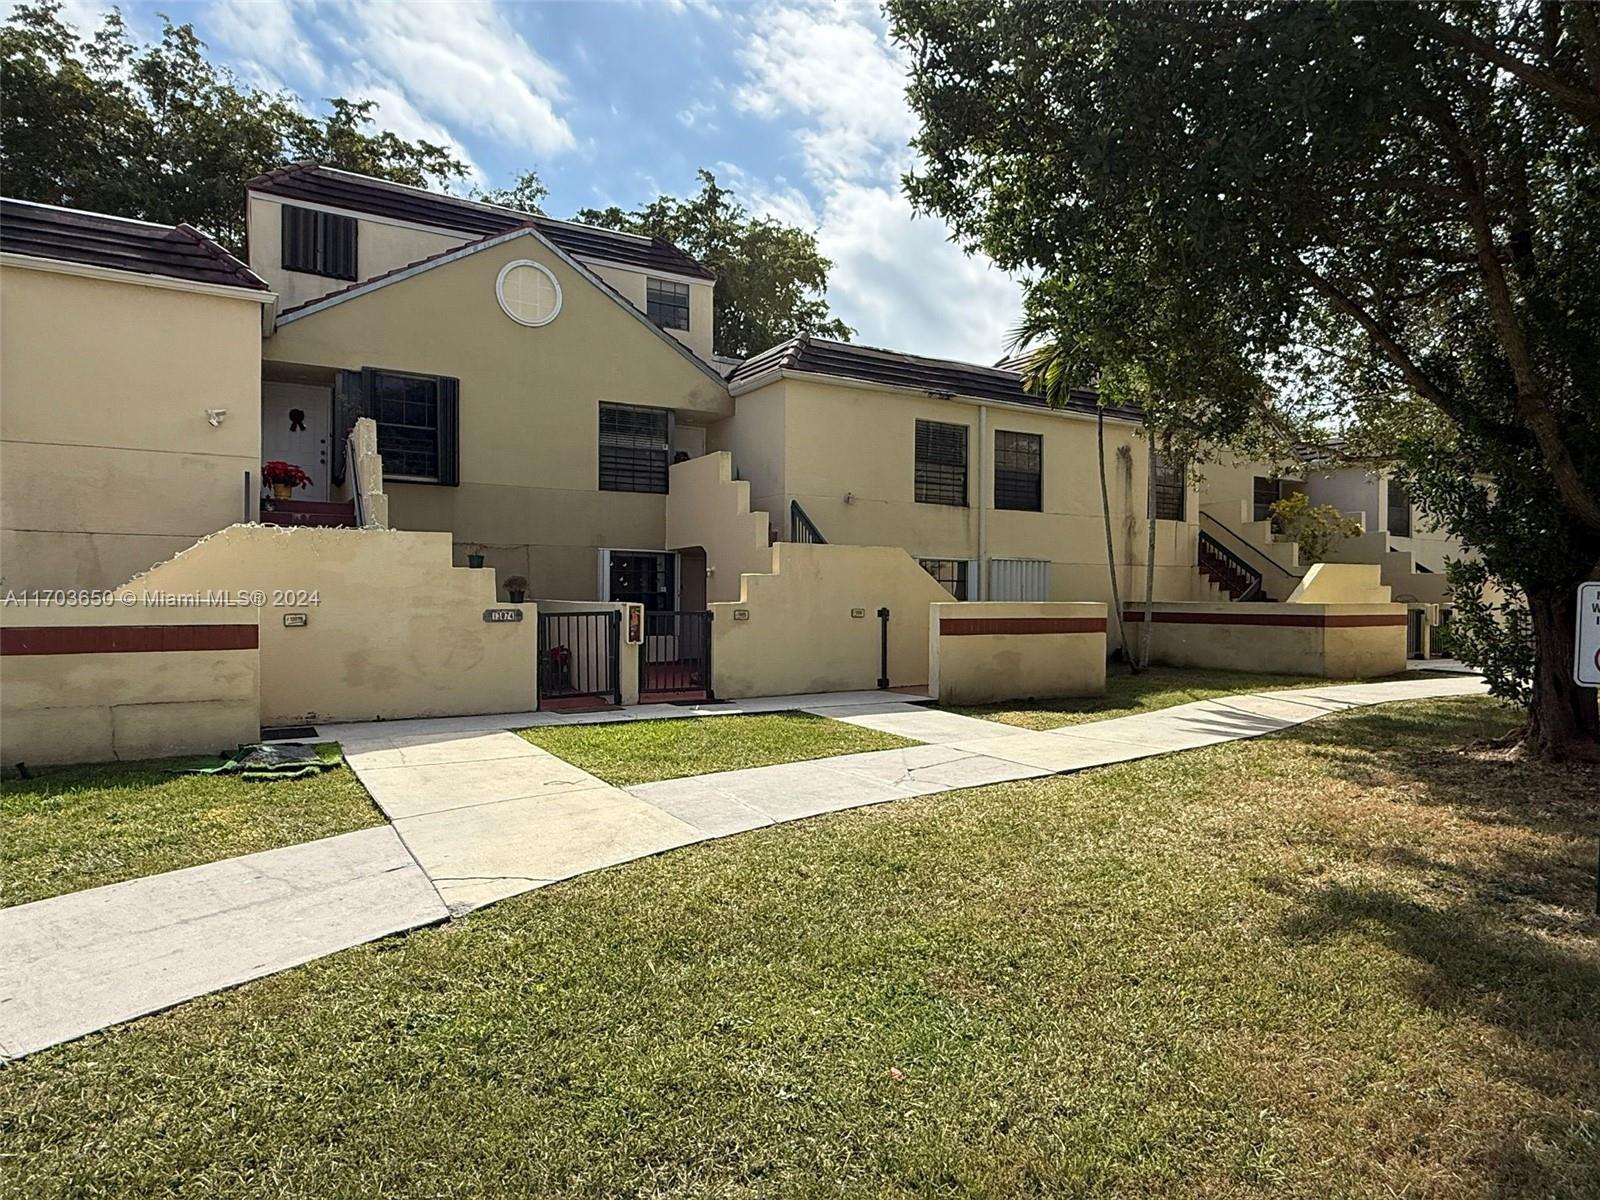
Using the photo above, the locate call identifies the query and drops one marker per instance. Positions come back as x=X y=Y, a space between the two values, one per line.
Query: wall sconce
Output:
x=216 y=416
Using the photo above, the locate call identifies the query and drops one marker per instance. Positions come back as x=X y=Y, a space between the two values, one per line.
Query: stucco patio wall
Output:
x=981 y=653
x=1336 y=641
x=94 y=683
x=812 y=625
x=364 y=624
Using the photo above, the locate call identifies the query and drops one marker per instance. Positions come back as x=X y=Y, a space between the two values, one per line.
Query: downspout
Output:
x=983 y=502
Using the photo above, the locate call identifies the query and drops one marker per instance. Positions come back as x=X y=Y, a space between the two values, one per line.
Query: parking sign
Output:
x=1586 y=667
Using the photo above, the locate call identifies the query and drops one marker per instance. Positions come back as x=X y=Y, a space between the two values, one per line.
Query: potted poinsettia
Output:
x=517 y=589
x=283 y=478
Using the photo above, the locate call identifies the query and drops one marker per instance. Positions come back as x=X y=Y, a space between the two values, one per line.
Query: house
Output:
x=1409 y=549
x=490 y=388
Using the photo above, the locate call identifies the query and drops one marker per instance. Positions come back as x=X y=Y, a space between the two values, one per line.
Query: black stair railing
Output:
x=802 y=528
x=1230 y=572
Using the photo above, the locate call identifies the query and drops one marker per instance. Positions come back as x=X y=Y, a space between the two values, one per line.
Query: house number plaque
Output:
x=495 y=616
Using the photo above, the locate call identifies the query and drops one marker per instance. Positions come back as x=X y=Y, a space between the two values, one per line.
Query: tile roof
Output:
x=120 y=244
x=932 y=376
x=317 y=184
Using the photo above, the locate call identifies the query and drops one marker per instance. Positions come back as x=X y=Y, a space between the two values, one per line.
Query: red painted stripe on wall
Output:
x=1294 y=620
x=126 y=639
x=973 y=626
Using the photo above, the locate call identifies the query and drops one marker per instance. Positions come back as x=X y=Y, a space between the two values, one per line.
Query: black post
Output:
x=883 y=649
x=710 y=691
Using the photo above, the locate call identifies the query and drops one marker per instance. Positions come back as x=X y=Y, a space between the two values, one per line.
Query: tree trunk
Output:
x=1563 y=718
x=1111 y=552
x=1147 y=632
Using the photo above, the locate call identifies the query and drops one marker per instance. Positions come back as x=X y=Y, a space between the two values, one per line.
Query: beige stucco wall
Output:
x=1341 y=583
x=529 y=496
x=1015 y=662
x=107 y=460
x=385 y=245
x=847 y=454
x=800 y=633
x=708 y=508
x=97 y=707
x=395 y=631
x=1249 y=638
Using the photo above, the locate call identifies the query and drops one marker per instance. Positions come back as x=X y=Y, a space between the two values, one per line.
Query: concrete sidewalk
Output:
x=479 y=814
x=77 y=963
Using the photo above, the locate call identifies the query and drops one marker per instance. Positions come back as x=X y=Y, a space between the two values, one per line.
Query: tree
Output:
x=157 y=132
x=1314 y=527
x=525 y=195
x=1372 y=219
x=772 y=281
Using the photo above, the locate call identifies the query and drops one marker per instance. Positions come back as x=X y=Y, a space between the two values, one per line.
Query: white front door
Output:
x=296 y=421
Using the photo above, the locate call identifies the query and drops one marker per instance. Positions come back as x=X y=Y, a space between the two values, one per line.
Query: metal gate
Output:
x=675 y=660
x=579 y=656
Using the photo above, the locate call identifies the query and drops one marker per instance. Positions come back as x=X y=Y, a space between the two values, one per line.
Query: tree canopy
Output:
x=157 y=131
x=771 y=278
x=1373 y=219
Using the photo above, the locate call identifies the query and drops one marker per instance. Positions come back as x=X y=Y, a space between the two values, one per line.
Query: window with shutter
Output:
x=941 y=463
x=949 y=573
x=418 y=418
x=319 y=243
x=634 y=445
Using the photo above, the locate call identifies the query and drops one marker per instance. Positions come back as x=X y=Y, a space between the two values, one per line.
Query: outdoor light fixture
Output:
x=216 y=415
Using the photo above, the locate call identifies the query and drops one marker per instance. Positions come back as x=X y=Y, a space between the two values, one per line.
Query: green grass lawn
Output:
x=1338 y=961
x=645 y=751
x=1126 y=695
x=79 y=827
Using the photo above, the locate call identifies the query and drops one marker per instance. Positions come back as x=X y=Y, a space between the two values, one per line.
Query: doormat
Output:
x=274 y=733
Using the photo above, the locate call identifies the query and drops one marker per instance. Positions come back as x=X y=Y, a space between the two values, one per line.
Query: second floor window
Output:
x=319 y=243
x=1018 y=471
x=667 y=303
x=633 y=448
x=941 y=463
x=1171 y=488
x=1399 y=510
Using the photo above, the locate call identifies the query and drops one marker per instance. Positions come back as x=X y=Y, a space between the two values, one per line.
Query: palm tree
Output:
x=1047 y=373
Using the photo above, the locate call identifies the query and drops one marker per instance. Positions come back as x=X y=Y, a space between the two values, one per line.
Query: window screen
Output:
x=1018 y=471
x=319 y=243
x=951 y=574
x=667 y=303
x=1399 y=510
x=1170 y=490
x=633 y=448
x=941 y=463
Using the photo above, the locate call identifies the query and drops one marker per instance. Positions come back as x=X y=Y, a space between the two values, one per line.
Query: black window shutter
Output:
x=351 y=392
x=299 y=239
x=449 y=431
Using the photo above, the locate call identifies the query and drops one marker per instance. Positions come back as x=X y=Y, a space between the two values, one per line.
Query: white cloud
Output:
x=897 y=278
x=432 y=67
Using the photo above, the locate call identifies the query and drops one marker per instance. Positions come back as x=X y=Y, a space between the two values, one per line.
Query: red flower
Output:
x=284 y=472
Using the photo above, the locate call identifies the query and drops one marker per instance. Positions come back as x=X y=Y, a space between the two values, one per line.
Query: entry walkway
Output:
x=478 y=814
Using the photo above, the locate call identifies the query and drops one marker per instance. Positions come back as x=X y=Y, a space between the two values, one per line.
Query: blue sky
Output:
x=799 y=106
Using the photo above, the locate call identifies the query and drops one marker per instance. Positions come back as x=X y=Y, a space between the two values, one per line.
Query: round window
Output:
x=528 y=293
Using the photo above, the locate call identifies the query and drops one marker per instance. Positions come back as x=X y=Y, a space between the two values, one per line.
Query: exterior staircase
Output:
x=1237 y=551
x=1407 y=582
x=334 y=514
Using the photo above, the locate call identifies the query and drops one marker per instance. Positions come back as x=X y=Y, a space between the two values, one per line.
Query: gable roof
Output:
x=317 y=184
x=887 y=368
x=527 y=229
x=119 y=244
